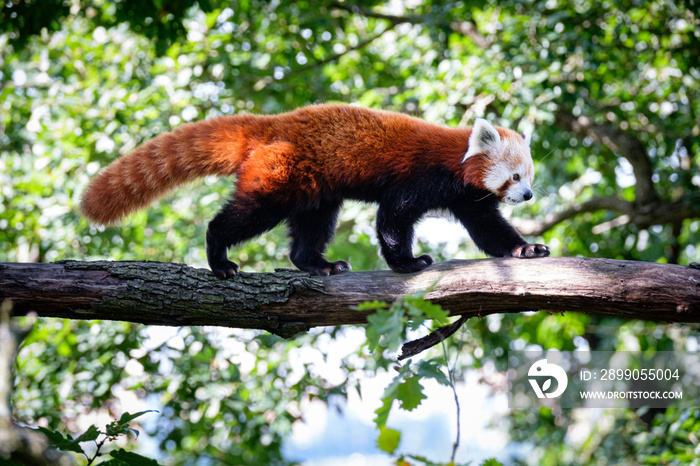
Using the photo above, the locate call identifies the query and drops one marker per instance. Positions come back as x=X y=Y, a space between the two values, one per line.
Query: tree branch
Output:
x=646 y=210
x=337 y=56
x=393 y=19
x=289 y=301
x=469 y=29
x=644 y=216
x=530 y=227
x=411 y=348
x=620 y=142
x=466 y=28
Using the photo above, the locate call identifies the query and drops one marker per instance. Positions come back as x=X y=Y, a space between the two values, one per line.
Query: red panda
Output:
x=299 y=166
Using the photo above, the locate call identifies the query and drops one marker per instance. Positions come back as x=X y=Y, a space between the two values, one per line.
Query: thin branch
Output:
x=469 y=29
x=99 y=444
x=643 y=216
x=435 y=337
x=393 y=19
x=535 y=227
x=619 y=142
x=675 y=247
x=451 y=374
x=337 y=56
x=466 y=28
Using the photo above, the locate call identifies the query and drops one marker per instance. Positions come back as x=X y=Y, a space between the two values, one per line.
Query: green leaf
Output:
x=390 y=394
x=435 y=312
x=128 y=417
x=371 y=305
x=421 y=307
x=62 y=443
x=132 y=459
x=410 y=393
x=91 y=434
x=432 y=368
x=121 y=427
x=386 y=329
x=388 y=440
x=382 y=413
x=491 y=462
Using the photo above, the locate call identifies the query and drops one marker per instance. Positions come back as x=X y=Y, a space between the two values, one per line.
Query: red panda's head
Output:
x=508 y=171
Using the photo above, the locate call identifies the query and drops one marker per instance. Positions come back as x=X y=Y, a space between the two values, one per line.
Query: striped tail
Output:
x=152 y=170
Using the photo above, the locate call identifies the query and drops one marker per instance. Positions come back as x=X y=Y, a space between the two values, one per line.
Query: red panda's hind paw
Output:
x=415 y=264
x=340 y=266
x=224 y=269
x=336 y=268
x=327 y=269
x=530 y=250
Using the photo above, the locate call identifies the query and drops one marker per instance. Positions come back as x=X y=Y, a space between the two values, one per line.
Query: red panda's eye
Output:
x=516 y=177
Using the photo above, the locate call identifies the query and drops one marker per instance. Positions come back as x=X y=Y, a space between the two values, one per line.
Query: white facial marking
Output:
x=497 y=176
x=511 y=175
x=520 y=189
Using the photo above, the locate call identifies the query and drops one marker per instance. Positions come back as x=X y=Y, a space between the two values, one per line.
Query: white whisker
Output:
x=539 y=162
x=489 y=194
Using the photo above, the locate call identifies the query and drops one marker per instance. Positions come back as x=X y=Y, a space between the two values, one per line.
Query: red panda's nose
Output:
x=527 y=195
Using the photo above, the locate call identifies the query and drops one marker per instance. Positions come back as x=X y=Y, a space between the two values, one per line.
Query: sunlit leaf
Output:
x=388 y=440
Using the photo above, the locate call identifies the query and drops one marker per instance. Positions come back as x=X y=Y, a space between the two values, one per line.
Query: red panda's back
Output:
x=349 y=145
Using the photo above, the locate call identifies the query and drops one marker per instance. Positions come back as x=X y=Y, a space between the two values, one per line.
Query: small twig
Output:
x=466 y=28
x=450 y=374
x=414 y=347
x=337 y=56
x=97 y=452
x=393 y=19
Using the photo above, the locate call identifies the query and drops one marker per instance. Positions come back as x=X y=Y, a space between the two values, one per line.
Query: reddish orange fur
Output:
x=297 y=155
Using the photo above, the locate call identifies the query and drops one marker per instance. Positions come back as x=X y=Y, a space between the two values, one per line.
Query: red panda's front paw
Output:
x=530 y=250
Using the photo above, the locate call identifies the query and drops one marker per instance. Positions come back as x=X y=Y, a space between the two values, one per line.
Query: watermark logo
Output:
x=544 y=371
x=603 y=379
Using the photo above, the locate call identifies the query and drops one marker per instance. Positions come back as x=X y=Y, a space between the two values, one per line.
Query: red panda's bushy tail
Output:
x=152 y=170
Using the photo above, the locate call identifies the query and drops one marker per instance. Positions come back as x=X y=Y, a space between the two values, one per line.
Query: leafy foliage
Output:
x=112 y=431
x=163 y=22
x=84 y=82
x=388 y=324
x=388 y=327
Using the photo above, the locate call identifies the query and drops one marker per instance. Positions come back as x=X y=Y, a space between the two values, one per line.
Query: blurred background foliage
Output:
x=607 y=88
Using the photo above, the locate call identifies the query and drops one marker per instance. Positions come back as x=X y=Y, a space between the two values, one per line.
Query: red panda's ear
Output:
x=484 y=139
x=527 y=134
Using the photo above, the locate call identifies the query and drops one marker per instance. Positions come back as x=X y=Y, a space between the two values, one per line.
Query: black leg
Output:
x=311 y=231
x=494 y=235
x=395 y=233
x=235 y=223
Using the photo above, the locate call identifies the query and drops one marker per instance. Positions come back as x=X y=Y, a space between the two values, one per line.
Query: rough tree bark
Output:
x=288 y=301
